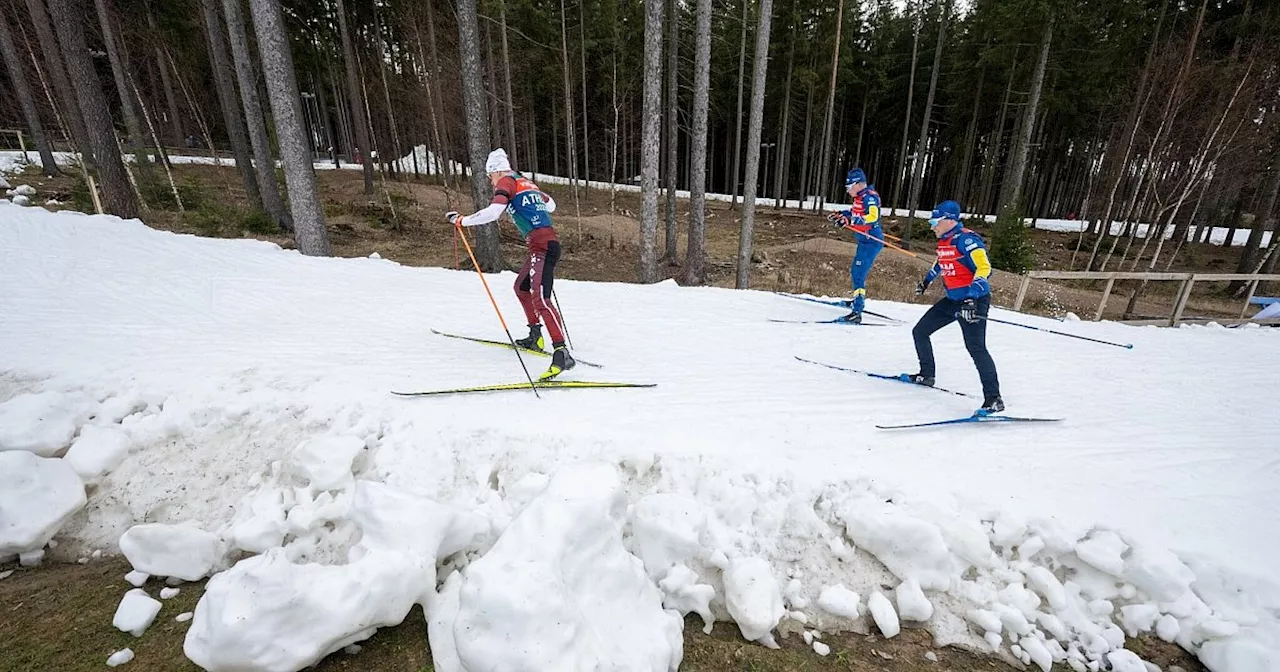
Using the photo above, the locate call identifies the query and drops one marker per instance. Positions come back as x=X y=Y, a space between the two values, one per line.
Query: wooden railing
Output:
x=1188 y=281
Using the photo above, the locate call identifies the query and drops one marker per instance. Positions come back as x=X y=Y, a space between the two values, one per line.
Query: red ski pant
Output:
x=534 y=282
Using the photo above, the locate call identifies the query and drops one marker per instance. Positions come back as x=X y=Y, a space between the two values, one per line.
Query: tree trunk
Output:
x=487 y=249
x=264 y=165
x=804 y=162
x=67 y=97
x=30 y=112
x=331 y=140
x=358 y=119
x=672 y=126
x=570 y=135
x=586 y=111
x=118 y=196
x=784 y=131
x=445 y=144
x=917 y=174
x=506 y=67
x=823 y=154
x=1013 y=181
x=650 y=140
x=392 y=157
x=696 y=252
x=742 y=77
x=166 y=81
x=745 y=237
x=1262 y=218
x=230 y=102
x=900 y=170
x=137 y=139
x=961 y=189
x=295 y=154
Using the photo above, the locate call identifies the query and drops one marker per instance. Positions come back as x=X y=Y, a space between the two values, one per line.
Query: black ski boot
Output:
x=534 y=340
x=918 y=379
x=854 y=317
x=561 y=361
x=991 y=405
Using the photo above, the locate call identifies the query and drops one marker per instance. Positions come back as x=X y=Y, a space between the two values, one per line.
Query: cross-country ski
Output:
x=976 y=418
x=512 y=387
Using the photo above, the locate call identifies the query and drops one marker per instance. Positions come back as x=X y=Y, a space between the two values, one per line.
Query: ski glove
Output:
x=453 y=217
x=921 y=287
x=969 y=311
x=838 y=219
x=979 y=288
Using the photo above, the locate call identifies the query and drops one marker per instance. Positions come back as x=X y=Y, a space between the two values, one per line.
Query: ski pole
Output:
x=564 y=323
x=1050 y=331
x=514 y=347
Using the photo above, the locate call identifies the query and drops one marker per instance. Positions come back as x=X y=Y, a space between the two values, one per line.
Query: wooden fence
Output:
x=1188 y=281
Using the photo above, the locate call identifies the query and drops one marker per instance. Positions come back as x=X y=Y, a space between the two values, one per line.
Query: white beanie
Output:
x=497 y=161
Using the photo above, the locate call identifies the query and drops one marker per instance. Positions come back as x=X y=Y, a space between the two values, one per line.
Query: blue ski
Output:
x=975 y=418
x=901 y=378
x=835 y=321
x=838 y=303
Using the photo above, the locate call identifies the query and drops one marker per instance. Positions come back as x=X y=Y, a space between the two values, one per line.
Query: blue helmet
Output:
x=856 y=175
x=947 y=210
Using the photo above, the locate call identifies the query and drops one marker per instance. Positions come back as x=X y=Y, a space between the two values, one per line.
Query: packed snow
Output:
x=136 y=613
x=252 y=385
x=120 y=657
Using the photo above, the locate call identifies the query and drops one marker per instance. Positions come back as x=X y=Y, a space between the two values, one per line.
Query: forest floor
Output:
x=795 y=251
x=58 y=617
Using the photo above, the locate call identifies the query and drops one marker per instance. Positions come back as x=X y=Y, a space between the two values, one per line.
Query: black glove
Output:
x=921 y=287
x=969 y=311
x=453 y=217
x=837 y=219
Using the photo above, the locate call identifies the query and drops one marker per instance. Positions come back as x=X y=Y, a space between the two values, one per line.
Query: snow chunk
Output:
x=1048 y=585
x=97 y=451
x=6 y=574
x=1123 y=660
x=931 y=656
x=167 y=593
x=31 y=558
x=1030 y=547
x=993 y=640
x=558 y=590
x=908 y=546
x=821 y=649
x=839 y=601
x=1239 y=654
x=1036 y=650
x=682 y=592
x=119 y=657
x=183 y=551
x=882 y=611
x=912 y=604
x=22 y=200
x=754 y=599
x=325 y=461
x=1159 y=574
x=666 y=531
x=1104 y=550
x=136 y=612
x=1139 y=618
x=37 y=495
x=25 y=190
x=989 y=621
x=42 y=423
x=136 y=578
x=184 y=616
x=266 y=613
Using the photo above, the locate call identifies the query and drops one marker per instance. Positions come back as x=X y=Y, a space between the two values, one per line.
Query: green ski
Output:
x=544 y=385
x=505 y=344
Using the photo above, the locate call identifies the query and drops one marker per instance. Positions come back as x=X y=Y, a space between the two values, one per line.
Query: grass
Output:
x=58 y=617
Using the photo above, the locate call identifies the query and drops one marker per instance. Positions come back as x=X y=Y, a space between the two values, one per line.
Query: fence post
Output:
x=1106 y=293
x=1022 y=292
x=1253 y=287
x=1183 y=294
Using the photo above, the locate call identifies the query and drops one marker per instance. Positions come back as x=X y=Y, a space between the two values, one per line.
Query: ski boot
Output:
x=561 y=361
x=854 y=317
x=917 y=379
x=534 y=340
x=990 y=406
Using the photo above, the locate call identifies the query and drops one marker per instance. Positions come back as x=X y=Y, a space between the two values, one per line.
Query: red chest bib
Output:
x=954 y=273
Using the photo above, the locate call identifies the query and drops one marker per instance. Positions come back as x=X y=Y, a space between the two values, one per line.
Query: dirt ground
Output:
x=795 y=251
x=58 y=618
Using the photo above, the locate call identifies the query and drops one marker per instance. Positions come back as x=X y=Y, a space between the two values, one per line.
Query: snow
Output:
x=97 y=451
x=821 y=649
x=136 y=612
x=31 y=558
x=221 y=359
x=885 y=617
x=912 y=603
x=21 y=200
x=37 y=496
x=184 y=616
x=168 y=593
x=183 y=551
x=558 y=591
x=42 y=423
x=137 y=579
x=839 y=601
x=1126 y=661
x=120 y=657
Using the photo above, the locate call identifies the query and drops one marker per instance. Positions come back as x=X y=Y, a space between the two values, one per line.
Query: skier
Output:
x=530 y=209
x=863 y=219
x=964 y=267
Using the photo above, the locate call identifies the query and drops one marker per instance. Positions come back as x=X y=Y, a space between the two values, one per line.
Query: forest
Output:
x=1160 y=112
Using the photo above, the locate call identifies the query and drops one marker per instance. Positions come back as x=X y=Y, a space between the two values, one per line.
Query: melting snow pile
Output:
x=234 y=421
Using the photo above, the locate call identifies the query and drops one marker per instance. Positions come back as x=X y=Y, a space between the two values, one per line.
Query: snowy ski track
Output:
x=244 y=390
